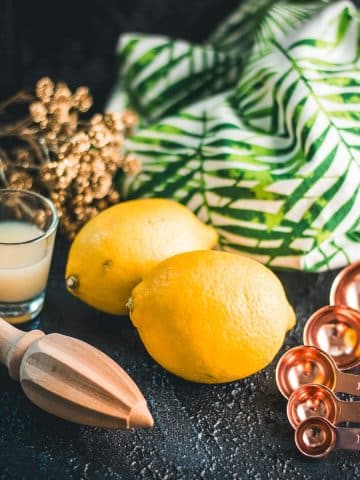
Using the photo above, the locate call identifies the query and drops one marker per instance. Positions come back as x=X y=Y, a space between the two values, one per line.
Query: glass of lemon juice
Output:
x=28 y=224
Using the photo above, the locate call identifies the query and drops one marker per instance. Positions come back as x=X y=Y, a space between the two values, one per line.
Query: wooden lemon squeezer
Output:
x=72 y=380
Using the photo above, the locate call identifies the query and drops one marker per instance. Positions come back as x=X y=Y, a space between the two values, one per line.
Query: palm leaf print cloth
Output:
x=258 y=131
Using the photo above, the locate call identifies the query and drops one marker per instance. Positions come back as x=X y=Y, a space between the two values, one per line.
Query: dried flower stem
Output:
x=54 y=151
x=22 y=96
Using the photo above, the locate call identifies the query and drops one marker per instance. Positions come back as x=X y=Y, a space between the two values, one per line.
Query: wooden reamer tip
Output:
x=72 y=380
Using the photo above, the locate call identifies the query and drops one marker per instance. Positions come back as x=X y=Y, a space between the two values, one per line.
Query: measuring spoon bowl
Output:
x=316 y=437
x=345 y=289
x=318 y=401
x=303 y=365
x=312 y=401
x=335 y=329
x=306 y=364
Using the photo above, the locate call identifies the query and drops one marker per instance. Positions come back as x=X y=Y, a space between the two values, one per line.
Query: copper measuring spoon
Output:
x=306 y=364
x=318 y=401
x=345 y=289
x=316 y=437
x=335 y=329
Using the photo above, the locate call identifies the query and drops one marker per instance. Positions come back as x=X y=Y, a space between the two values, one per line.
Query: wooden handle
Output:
x=72 y=380
x=13 y=345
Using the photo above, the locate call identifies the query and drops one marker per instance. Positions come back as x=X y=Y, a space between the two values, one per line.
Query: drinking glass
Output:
x=28 y=223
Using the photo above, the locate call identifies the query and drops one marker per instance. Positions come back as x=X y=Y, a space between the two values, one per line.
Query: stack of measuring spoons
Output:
x=309 y=375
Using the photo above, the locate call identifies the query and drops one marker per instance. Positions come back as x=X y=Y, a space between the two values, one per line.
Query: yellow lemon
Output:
x=115 y=249
x=211 y=316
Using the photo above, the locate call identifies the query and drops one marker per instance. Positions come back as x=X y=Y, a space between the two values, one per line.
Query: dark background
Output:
x=223 y=432
x=75 y=40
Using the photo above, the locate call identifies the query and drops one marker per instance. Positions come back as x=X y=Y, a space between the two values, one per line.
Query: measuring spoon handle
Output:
x=349 y=412
x=348 y=438
x=348 y=383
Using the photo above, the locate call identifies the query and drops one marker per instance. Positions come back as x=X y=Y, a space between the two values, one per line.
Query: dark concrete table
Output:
x=238 y=430
x=213 y=432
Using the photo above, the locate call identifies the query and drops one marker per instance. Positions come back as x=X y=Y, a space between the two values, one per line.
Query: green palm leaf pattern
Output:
x=255 y=23
x=274 y=164
x=160 y=75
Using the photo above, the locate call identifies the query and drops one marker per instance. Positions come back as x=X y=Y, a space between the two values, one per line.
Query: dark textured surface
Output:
x=219 y=432
x=75 y=40
x=237 y=430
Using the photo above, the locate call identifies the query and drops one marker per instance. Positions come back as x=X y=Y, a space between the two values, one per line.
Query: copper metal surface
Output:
x=318 y=401
x=335 y=329
x=345 y=289
x=306 y=364
x=315 y=437
x=312 y=401
x=303 y=365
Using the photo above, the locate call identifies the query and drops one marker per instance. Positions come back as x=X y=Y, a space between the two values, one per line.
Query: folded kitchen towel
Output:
x=258 y=131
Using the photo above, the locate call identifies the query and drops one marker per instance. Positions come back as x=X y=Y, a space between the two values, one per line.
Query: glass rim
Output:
x=55 y=220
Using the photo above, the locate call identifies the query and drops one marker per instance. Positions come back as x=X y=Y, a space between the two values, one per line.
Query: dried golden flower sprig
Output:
x=57 y=152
